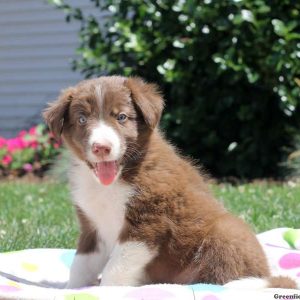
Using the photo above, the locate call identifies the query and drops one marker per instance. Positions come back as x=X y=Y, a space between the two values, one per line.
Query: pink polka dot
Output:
x=9 y=288
x=210 y=297
x=290 y=261
x=150 y=293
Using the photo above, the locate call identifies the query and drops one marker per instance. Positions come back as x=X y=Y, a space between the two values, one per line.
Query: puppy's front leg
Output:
x=87 y=265
x=90 y=257
x=85 y=270
x=126 y=265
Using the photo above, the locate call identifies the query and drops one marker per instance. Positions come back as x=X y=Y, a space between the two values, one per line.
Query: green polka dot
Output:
x=81 y=296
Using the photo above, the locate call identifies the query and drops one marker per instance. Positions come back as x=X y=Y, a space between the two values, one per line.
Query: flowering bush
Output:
x=29 y=152
x=229 y=71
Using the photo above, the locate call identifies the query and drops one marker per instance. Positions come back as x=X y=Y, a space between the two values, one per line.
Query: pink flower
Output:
x=6 y=160
x=56 y=145
x=27 y=167
x=32 y=131
x=22 y=133
x=2 y=142
x=34 y=144
x=15 y=144
x=25 y=143
x=12 y=145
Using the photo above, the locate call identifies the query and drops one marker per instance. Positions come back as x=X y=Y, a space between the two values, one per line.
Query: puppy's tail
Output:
x=252 y=283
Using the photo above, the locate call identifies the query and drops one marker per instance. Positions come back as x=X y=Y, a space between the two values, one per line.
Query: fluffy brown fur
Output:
x=172 y=210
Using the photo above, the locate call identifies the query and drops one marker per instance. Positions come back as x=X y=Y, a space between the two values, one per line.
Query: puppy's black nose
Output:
x=101 y=150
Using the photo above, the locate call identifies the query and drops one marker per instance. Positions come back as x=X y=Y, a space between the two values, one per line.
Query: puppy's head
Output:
x=106 y=121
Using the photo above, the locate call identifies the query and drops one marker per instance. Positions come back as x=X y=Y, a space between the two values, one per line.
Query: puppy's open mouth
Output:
x=106 y=171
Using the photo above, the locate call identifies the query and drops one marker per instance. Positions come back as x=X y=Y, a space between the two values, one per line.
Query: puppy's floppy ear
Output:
x=147 y=98
x=54 y=115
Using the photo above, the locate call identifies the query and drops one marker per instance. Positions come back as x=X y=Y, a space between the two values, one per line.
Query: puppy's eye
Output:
x=121 y=117
x=82 y=120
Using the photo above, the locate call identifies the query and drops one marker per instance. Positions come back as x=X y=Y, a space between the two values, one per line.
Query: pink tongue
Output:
x=106 y=171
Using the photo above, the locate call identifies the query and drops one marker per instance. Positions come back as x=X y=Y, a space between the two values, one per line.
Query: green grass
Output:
x=36 y=215
x=263 y=206
x=40 y=214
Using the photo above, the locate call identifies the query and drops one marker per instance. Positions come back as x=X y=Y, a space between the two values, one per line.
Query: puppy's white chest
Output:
x=103 y=205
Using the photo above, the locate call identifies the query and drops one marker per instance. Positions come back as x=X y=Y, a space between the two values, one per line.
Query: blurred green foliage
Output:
x=229 y=70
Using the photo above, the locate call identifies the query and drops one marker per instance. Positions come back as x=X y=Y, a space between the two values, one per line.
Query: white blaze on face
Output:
x=104 y=147
x=99 y=95
x=105 y=135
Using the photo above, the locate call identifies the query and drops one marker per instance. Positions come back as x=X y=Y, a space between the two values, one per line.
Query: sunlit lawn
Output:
x=34 y=215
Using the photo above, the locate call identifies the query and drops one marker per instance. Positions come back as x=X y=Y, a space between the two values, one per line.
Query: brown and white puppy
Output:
x=146 y=213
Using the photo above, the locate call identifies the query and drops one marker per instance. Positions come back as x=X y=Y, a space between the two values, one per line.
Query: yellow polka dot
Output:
x=29 y=267
x=14 y=284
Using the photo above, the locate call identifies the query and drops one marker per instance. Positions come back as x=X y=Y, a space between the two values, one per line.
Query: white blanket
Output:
x=41 y=274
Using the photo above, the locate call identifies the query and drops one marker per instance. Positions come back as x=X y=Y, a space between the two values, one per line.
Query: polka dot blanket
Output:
x=42 y=274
